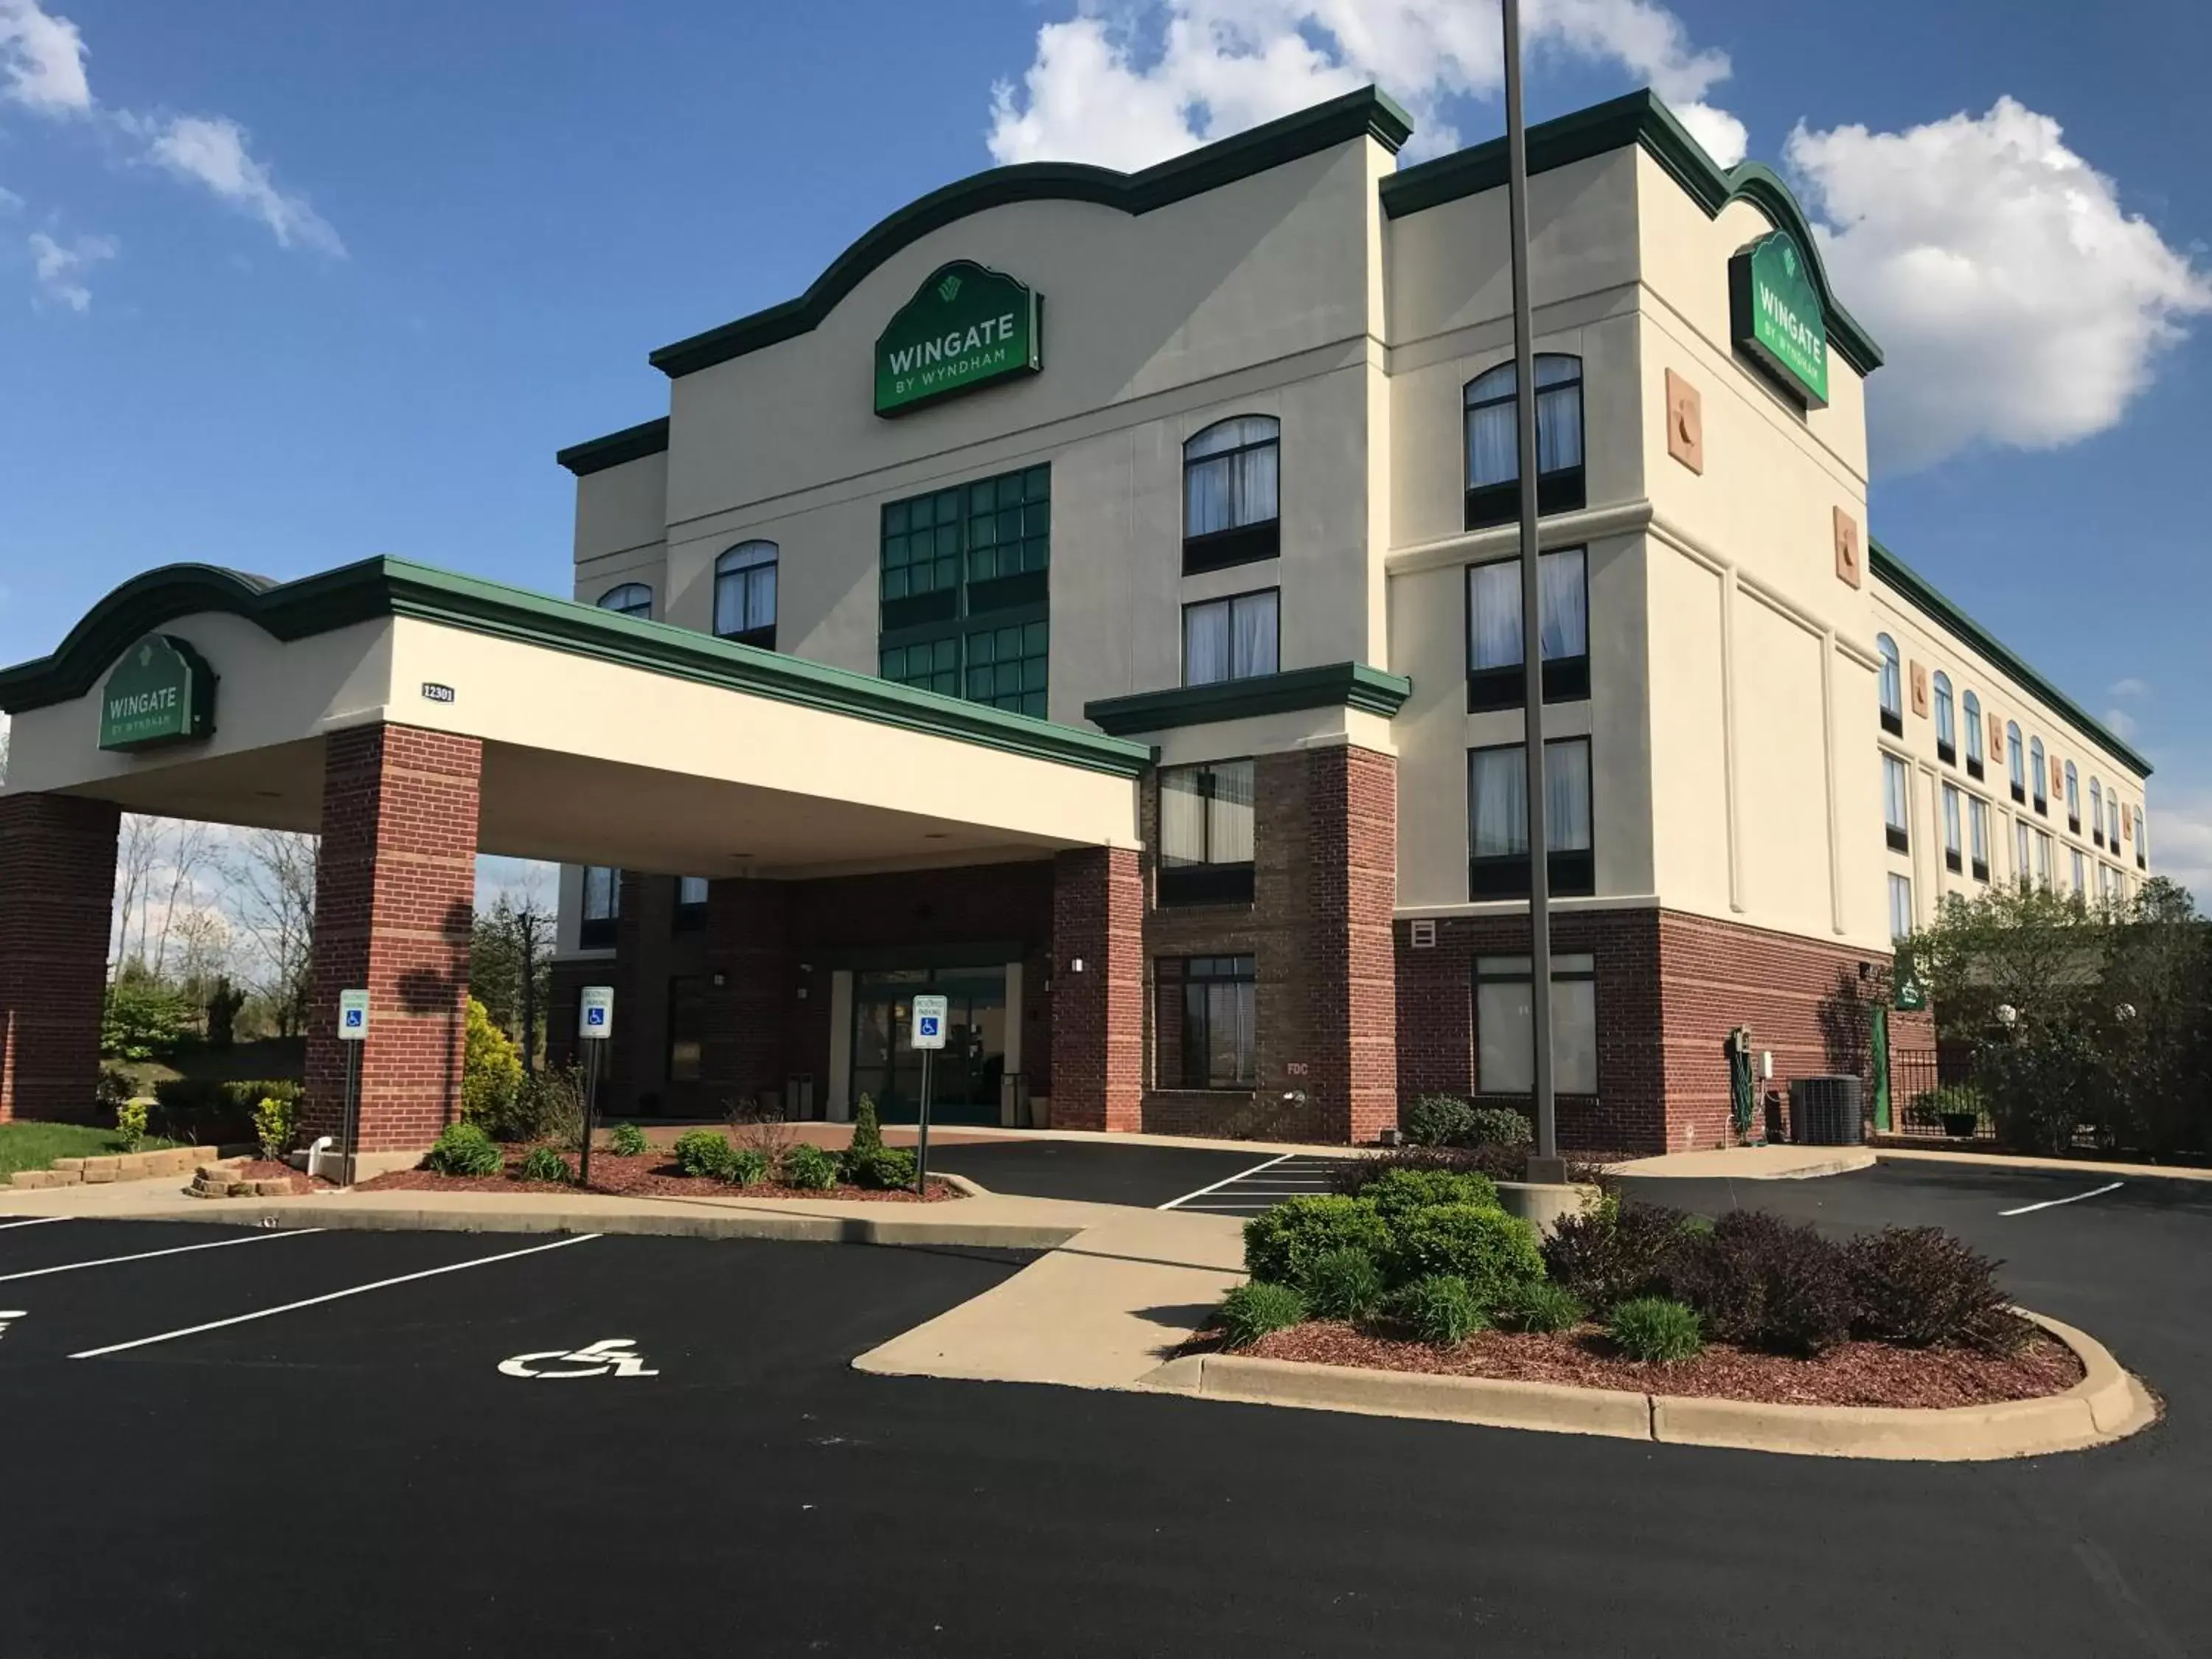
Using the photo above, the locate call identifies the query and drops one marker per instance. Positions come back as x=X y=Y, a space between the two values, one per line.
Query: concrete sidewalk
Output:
x=1750 y=1163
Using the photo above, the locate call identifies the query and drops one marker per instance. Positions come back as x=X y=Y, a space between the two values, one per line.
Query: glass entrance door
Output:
x=967 y=1071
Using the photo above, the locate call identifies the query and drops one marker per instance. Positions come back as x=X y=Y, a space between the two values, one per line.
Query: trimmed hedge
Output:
x=1397 y=1193
x=1280 y=1243
x=1763 y=1282
x=1614 y=1250
x=1495 y=1252
x=1921 y=1287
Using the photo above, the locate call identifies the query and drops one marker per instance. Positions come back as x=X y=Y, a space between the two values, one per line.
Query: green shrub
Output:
x=1542 y=1306
x=1495 y=1252
x=703 y=1152
x=491 y=1071
x=547 y=1106
x=628 y=1141
x=112 y=1090
x=275 y=1119
x=1499 y=1125
x=131 y=1124
x=809 y=1169
x=464 y=1150
x=143 y=1020
x=1765 y=1283
x=1923 y=1287
x=1439 y=1120
x=886 y=1170
x=1442 y=1309
x=1614 y=1251
x=748 y=1166
x=1253 y=1309
x=1656 y=1330
x=544 y=1164
x=867 y=1132
x=1342 y=1284
x=1397 y=1193
x=1279 y=1244
x=208 y=1113
x=1352 y=1177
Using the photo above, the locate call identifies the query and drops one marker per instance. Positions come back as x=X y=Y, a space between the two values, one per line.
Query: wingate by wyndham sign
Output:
x=965 y=327
x=161 y=692
x=1776 y=316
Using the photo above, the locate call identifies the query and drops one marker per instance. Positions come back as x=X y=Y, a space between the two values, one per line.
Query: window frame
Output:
x=2015 y=764
x=1897 y=772
x=762 y=635
x=1230 y=602
x=958 y=608
x=2039 y=762
x=2096 y=809
x=1490 y=970
x=1566 y=679
x=690 y=912
x=1900 y=885
x=1891 y=690
x=1207 y=880
x=631 y=608
x=1572 y=870
x=1247 y=543
x=1970 y=705
x=1201 y=1036
x=1946 y=721
x=1977 y=835
x=597 y=925
x=2023 y=854
x=1954 y=831
x=1561 y=490
x=2073 y=799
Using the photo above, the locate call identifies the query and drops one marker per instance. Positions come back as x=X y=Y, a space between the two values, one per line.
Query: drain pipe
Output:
x=315 y=1154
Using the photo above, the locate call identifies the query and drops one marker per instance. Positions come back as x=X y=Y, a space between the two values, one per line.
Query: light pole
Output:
x=1547 y=1164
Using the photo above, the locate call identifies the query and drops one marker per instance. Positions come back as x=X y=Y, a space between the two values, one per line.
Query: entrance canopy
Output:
x=199 y=693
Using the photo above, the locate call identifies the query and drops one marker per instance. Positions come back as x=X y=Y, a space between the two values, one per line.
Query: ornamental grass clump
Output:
x=703 y=1152
x=464 y=1150
x=1343 y=1284
x=1254 y=1308
x=809 y=1169
x=1442 y=1309
x=1542 y=1306
x=1656 y=1330
x=544 y=1164
x=628 y=1141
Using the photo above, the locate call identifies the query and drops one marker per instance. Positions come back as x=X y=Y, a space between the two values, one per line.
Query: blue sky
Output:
x=285 y=286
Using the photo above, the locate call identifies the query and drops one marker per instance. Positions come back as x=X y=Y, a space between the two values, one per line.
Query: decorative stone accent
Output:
x=1920 y=689
x=1849 y=568
x=1685 y=422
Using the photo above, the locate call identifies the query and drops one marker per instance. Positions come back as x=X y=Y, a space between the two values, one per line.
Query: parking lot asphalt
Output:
x=680 y=1459
x=1093 y=1172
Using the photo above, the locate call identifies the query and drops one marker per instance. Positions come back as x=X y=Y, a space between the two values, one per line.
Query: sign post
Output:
x=929 y=1016
x=595 y=1024
x=353 y=1031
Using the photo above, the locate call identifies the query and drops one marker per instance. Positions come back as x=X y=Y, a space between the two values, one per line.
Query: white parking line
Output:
x=35 y=1221
x=331 y=1295
x=148 y=1256
x=2053 y=1203
x=1178 y=1203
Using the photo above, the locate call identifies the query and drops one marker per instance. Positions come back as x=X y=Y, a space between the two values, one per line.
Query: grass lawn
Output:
x=35 y=1145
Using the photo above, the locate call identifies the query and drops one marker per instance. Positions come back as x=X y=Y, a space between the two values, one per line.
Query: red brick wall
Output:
x=1351 y=890
x=1097 y=1015
x=56 y=890
x=395 y=900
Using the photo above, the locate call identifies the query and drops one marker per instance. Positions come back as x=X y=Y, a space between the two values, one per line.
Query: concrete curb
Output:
x=2108 y=1404
x=1903 y=1155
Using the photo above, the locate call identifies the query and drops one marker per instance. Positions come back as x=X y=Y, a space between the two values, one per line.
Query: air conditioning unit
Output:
x=1826 y=1111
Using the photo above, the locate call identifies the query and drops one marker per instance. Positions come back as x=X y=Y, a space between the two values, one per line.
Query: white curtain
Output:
x=1205 y=644
x=1498 y=808
x=1493 y=619
x=1894 y=783
x=745 y=588
x=1973 y=727
x=1945 y=732
x=1223 y=490
x=1182 y=815
x=1567 y=796
x=1493 y=447
x=1950 y=819
x=1977 y=817
x=1558 y=426
x=1893 y=685
x=1574 y=1036
x=1253 y=650
x=602 y=893
x=1229 y=839
x=2013 y=761
x=1565 y=619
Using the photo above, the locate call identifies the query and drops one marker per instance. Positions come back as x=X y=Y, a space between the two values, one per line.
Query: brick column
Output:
x=1097 y=1015
x=57 y=892
x=395 y=901
x=1351 y=894
x=747 y=927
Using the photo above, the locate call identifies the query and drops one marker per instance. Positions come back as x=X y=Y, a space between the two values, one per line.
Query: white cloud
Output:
x=519 y=881
x=1130 y=89
x=2017 y=303
x=9 y=201
x=62 y=270
x=212 y=151
x=2181 y=843
x=2131 y=687
x=43 y=57
x=2123 y=725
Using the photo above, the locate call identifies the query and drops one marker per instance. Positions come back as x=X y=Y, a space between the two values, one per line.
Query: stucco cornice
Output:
x=632 y=443
x=1337 y=685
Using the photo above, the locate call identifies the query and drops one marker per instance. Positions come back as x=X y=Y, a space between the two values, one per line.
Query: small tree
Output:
x=491 y=1072
x=143 y=1020
x=223 y=1006
x=868 y=1130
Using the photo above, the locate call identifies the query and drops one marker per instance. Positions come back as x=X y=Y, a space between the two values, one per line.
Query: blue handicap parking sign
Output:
x=353 y=1016
x=595 y=1017
x=929 y=1025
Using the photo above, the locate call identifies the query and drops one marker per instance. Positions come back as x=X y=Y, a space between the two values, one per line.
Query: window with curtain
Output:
x=2073 y=799
x=1504 y=1024
x=1231 y=478
x=2080 y=872
x=1947 y=721
x=1896 y=787
x=691 y=903
x=964 y=590
x=2097 y=811
x=630 y=600
x=2040 y=777
x=2112 y=811
x=2015 y=762
x=745 y=594
x=2043 y=858
x=1893 y=686
x=1978 y=823
x=1493 y=441
x=2022 y=854
x=1973 y=707
x=1220 y=1026
x=686 y=1028
x=1900 y=906
x=1231 y=639
x=1498 y=820
x=1205 y=834
x=602 y=908
x=1953 y=852
x=1493 y=629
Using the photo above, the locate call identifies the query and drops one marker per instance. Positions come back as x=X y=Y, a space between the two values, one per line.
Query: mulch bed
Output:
x=1854 y=1373
x=262 y=1168
x=649 y=1175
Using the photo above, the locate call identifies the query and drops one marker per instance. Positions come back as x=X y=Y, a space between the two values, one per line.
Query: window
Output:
x=1498 y=820
x=630 y=600
x=1953 y=859
x=1973 y=707
x=686 y=1028
x=2112 y=816
x=1231 y=475
x=2143 y=841
x=2043 y=858
x=1977 y=822
x=691 y=903
x=1900 y=907
x=2019 y=851
x=1220 y=1047
x=1946 y=724
x=2073 y=804
x=2036 y=770
x=2081 y=875
x=1231 y=639
x=602 y=907
x=1493 y=629
x=964 y=590
x=2097 y=811
x=2015 y=762
x=1493 y=441
x=1205 y=834
x=1893 y=686
x=1505 y=1024
x=1896 y=800
x=745 y=594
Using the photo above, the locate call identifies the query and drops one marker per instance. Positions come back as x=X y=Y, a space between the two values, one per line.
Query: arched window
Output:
x=2097 y=811
x=630 y=600
x=1493 y=441
x=2112 y=812
x=2142 y=839
x=1893 y=686
x=745 y=594
x=2073 y=799
x=1946 y=724
x=1973 y=707
x=2036 y=771
x=2016 y=762
x=1232 y=472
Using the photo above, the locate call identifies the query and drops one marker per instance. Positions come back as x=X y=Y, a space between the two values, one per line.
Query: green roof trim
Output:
x=1637 y=118
x=632 y=443
x=1339 y=685
x=1368 y=112
x=1917 y=591
x=377 y=588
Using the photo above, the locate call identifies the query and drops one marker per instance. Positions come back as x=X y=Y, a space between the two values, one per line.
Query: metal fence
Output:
x=1914 y=1074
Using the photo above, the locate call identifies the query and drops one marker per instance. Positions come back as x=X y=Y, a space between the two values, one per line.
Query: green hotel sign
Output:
x=1776 y=315
x=161 y=693
x=965 y=327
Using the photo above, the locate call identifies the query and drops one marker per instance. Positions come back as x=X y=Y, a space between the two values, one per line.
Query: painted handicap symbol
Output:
x=615 y=1356
x=929 y=1025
